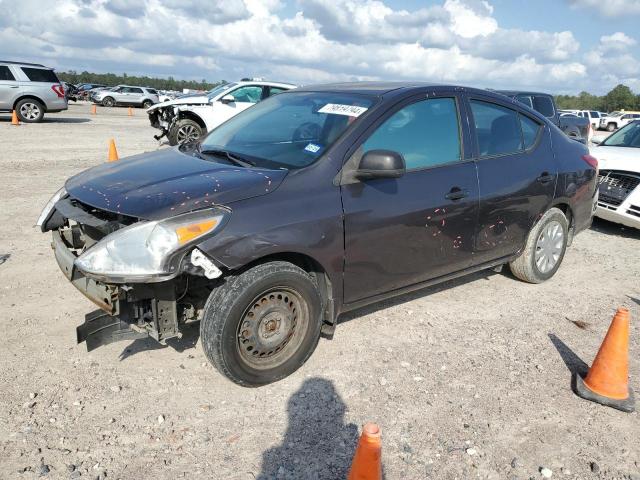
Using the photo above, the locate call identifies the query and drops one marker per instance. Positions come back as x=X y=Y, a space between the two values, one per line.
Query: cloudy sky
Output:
x=562 y=46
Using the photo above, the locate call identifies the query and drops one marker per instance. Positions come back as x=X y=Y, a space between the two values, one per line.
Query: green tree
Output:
x=620 y=98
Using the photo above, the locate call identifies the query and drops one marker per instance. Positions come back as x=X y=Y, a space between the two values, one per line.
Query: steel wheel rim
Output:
x=187 y=133
x=549 y=247
x=272 y=328
x=30 y=111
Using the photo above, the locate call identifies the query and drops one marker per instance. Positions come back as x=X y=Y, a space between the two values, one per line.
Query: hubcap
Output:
x=188 y=133
x=30 y=111
x=549 y=247
x=272 y=328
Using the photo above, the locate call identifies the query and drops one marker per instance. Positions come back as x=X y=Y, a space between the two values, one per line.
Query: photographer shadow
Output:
x=317 y=444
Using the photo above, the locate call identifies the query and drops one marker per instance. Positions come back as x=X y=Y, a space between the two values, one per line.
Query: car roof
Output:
x=262 y=82
x=8 y=62
x=513 y=93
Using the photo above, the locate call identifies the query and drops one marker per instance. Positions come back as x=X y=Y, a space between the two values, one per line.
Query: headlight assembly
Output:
x=149 y=251
x=48 y=208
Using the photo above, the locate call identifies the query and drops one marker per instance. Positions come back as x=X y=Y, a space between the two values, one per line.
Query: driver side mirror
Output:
x=228 y=99
x=380 y=164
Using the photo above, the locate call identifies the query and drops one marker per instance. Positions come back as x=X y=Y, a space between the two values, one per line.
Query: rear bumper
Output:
x=56 y=105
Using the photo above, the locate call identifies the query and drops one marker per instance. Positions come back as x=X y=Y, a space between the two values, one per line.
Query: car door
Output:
x=403 y=231
x=135 y=95
x=9 y=88
x=517 y=173
x=243 y=98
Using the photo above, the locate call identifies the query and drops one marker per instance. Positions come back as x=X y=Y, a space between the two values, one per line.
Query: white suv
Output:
x=189 y=117
x=31 y=90
x=618 y=120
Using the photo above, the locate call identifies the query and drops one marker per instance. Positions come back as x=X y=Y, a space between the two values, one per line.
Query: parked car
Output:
x=126 y=95
x=577 y=128
x=31 y=90
x=314 y=202
x=619 y=178
x=189 y=117
x=618 y=120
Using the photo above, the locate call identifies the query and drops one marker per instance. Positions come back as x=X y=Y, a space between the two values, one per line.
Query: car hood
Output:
x=168 y=182
x=196 y=100
x=617 y=158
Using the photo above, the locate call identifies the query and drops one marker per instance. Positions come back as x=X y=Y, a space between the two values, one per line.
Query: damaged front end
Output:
x=132 y=304
x=163 y=118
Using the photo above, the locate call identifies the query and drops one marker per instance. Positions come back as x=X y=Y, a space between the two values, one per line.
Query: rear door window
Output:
x=135 y=90
x=530 y=131
x=5 y=73
x=40 y=75
x=426 y=133
x=497 y=129
x=544 y=105
x=152 y=91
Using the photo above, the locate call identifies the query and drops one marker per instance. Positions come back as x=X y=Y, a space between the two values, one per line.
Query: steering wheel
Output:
x=307 y=131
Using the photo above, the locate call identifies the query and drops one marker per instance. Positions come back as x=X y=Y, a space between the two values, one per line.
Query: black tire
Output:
x=184 y=131
x=30 y=110
x=108 y=102
x=611 y=127
x=241 y=325
x=526 y=266
x=147 y=104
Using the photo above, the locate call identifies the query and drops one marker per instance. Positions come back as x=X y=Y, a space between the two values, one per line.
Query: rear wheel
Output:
x=544 y=250
x=611 y=127
x=108 y=102
x=262 y=325
x=185 y=131
x=30 y=110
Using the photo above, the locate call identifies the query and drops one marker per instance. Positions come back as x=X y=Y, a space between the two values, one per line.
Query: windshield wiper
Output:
x=233 y=158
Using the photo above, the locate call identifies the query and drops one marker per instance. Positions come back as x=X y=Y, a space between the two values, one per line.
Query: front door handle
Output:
x=456 y=193
x=13 y=86
x=545 y=178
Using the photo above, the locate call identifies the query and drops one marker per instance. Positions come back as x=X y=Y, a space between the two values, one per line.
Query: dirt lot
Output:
x=467 y=380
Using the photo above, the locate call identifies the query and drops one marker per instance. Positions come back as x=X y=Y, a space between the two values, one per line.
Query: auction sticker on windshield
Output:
x=340 y=109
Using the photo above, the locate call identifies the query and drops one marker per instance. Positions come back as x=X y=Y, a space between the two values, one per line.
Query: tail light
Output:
x=591 y=160
x=58 y=90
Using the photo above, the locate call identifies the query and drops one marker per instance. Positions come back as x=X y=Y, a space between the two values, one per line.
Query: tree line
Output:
x=111 y=79
x=620 y=98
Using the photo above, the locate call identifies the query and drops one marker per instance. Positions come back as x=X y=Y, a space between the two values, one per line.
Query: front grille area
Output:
x=615 y=187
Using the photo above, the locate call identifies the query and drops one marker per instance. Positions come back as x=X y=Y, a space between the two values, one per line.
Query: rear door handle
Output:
x=545 y=178
x=456 y=193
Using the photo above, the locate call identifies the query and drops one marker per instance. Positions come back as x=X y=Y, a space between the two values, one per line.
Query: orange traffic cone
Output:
x=14 y=118
x=366 y=464
x=94 y=109
x=607 y=382
x=113 y=153
x=130 y=112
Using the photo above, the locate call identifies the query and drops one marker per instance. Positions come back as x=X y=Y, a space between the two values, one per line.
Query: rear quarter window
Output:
x=530 y=131
x=40 y=75
x=5 y=73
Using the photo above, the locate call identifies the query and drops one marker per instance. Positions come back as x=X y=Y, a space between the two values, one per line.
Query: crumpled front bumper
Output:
x=103 y=326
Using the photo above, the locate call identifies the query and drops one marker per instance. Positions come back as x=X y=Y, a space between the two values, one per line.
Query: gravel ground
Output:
x=470 y=379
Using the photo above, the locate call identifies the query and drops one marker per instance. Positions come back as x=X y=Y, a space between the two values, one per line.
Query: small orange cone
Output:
x=367 y=464
x=14 y=118
x=130 y=112
x=94 y=110
x=113 y=153
x=607 y=382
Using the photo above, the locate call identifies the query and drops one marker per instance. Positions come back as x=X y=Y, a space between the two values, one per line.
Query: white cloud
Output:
x=609 y=8
x=455 y=41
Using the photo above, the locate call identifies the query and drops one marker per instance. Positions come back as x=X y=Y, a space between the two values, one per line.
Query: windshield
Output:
x=627 y=136
x=218 y=90
x=289 y=130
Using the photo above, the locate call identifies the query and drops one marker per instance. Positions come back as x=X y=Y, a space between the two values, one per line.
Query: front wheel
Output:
x=108 y=102
x=263 y=324
x=185 y=131
x=544 y=250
